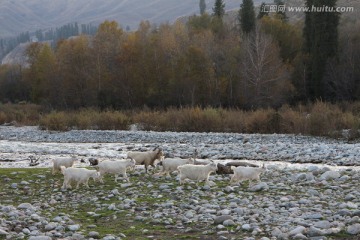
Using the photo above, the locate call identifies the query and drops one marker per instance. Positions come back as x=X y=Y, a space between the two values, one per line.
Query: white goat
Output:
x=196 y=172
x=78 y=175
x=146 y=158
x=116 y=167
x=62 y=161
x=171 y=164
x=246 y=173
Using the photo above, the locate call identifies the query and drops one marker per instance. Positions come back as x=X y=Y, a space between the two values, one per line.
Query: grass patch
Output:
x=89 y=207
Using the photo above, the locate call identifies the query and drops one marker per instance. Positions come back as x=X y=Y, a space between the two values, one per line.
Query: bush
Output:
x=318 y=119
x=24 y=114
x=112 y=121
x=57 y=121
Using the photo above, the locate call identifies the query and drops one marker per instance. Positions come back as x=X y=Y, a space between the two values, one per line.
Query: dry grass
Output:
x=318 y=119
x=25 y=114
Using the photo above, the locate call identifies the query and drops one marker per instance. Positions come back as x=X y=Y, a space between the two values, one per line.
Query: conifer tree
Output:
x=202 y=6
x=320 y=44
x=247 y=16
x=219 y=8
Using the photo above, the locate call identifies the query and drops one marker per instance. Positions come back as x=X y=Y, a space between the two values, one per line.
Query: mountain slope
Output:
x=23 y=15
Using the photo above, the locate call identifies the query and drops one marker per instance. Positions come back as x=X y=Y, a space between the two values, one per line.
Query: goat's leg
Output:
x=87 y=183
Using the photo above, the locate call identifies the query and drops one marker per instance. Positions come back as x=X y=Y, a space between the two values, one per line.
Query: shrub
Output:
x=3 y=118
x=57 y=121
x=112 y=120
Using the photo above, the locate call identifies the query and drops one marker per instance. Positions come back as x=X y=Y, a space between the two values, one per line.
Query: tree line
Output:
x=259 y=61
x=52 y=35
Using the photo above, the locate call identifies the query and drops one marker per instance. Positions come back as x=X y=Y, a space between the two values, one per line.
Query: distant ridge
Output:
x=18 y=16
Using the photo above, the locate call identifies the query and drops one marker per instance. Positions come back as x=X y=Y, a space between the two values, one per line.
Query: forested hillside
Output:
x=203 y=62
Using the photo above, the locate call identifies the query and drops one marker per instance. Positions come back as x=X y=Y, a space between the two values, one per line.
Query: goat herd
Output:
x=187 y=168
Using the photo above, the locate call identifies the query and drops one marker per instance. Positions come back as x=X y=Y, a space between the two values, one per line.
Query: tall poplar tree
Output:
x=202 y=6
x=247 y=16
x=320 y=44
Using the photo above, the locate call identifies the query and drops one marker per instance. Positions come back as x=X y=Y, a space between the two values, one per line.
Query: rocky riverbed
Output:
x=310 y=191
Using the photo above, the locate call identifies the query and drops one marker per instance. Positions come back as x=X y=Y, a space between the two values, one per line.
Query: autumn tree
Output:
x=41 y=72
x=288 y=36
x=106 y=49
x=77 y=85
x=265 y=77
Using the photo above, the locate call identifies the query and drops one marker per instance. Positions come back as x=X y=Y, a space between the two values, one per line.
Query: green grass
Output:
x=108 y=221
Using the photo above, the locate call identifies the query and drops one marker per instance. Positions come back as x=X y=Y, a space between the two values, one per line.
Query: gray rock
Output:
x=73 y=227
x=322 y=224
x=299 y=236
x=314 y=216
x=356 y=213
x=40 y=238
x=229 y=189
x=330 y=175
x=297 y=230
x=349 y=197
x=163 y=186
x=278 y=234
x=314 y=232
x=125 y=185
x=246 y=227
x=221 y=219
x=259 y=187
x=50 y=226
x=3 y=232
x=228 y=222
x=94 y=234
x=300 y=177
x=115 y=191
x=25 y=206
x=77 y=236
x=353 y=229
x=344 y=212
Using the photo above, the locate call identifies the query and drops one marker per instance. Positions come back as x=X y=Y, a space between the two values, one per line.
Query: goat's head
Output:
x=263 y=168
x=132 y=162
x=95 y=175
x=159 y=154
x=213 y=165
